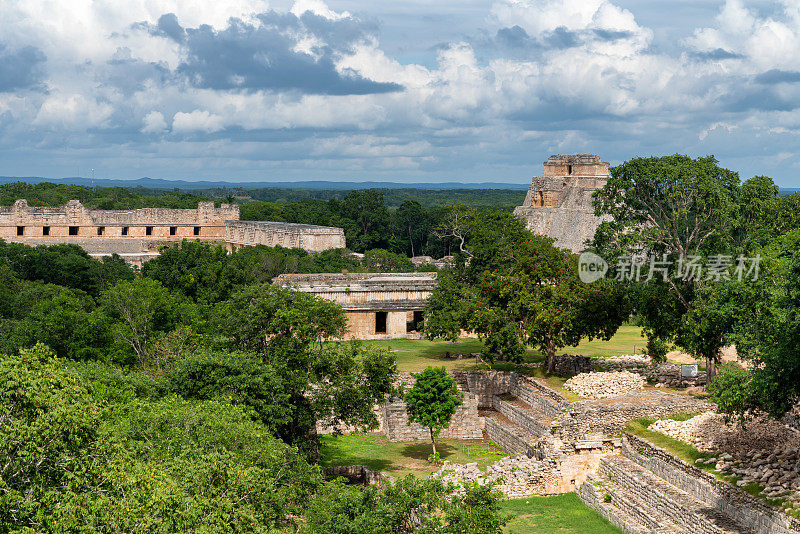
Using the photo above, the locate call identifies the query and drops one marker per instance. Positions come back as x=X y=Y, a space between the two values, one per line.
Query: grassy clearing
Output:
x=416 y=354
x=401 y=458
x=558 y=514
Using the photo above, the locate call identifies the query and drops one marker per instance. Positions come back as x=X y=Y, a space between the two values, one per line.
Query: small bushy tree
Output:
x=433 y=401
x=407 y=506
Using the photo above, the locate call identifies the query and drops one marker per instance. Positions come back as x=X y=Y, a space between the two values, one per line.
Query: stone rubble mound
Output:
x=701 y=431
x=777 y=470
x=513 y=476
x=605 y=384
x=626 y=360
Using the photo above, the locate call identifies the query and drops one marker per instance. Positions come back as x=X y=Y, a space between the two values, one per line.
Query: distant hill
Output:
x=157 y=183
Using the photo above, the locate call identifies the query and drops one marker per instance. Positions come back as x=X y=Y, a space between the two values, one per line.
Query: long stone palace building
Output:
x=377 y=305
x=137 y=235
x=559 y=203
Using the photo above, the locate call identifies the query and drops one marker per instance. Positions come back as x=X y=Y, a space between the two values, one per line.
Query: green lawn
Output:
x=416 y=354
x=559 y=514
x=401 y=458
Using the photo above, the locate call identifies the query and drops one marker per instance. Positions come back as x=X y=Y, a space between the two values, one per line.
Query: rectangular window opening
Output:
x=73 y=230
x=196 y=230
x=569 y=169
x=173 y=230
x=45 y=230
x=415 y=323
x=148 y=230
x=101 y=230
x=20 y=230
x=124 y=230
x=380 y=322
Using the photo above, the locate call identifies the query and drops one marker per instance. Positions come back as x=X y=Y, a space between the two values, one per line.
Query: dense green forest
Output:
x=184 y=398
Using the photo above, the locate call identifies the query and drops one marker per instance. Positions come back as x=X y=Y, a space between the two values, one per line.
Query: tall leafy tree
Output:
x=412 y=226
x=366 y=220
x=765 y=326
x=432 y=401
x=516 y=289
x=335 y=382
x=144 y=311
x=672 y=207
x=64 y=265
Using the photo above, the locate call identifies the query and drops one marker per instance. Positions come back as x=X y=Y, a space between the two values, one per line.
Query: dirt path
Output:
x=728 y=355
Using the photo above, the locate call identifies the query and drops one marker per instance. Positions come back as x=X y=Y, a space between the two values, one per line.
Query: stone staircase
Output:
x=516 y=426
x=642 y=502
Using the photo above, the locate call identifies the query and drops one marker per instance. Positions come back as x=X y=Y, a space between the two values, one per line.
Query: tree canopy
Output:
x=516 y=289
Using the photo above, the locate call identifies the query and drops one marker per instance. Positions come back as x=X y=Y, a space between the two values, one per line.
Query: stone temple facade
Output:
x=137 y=235
x=559 y=203
x=377 y=305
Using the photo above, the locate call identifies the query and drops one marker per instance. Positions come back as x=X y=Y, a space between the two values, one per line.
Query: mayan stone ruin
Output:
x=559 y=203
x=377 y=305
x=137 y=235
x=557 y=445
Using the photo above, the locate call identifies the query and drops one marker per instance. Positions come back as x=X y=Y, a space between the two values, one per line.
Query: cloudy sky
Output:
x=409 y=91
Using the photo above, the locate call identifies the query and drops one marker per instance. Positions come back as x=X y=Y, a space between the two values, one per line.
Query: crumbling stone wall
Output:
x=309 y=237
x=610 y=415
x=667 y=374
x=465 y=423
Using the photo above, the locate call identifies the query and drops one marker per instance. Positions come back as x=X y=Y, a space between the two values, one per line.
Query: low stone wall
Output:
x=667 y=374
x=569 y=365
x=539 y=396
x=733 y=502
x=465 y=423
x=507 y=440
x=355 y=474
x=610 y=416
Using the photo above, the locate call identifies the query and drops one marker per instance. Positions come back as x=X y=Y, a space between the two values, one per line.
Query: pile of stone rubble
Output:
x=604 y=385
x=778 y=471
x=708 y=432
x=626 y=361
x=701 y=431
x=513 y=476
